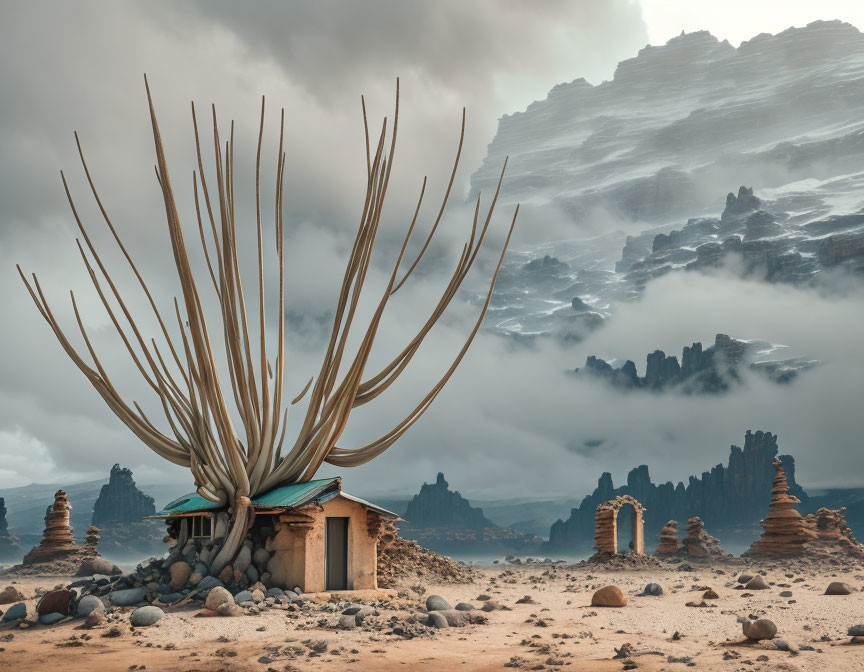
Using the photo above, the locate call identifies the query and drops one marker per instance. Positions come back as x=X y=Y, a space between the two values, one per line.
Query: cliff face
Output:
x=120 y=501
x=9 y=546
x=731 y=496
x=438 y=506
x=709 y=371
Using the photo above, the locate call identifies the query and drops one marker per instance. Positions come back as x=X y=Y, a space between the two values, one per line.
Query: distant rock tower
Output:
x=120 y=501
x=786 y=531
x=57 y=541
x=9 y=547
x=698 y=543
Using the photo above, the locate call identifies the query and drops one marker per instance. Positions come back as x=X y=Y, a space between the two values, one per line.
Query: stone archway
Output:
x=606 y=526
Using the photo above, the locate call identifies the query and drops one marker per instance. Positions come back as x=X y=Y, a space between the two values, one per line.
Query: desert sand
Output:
x=555 y=628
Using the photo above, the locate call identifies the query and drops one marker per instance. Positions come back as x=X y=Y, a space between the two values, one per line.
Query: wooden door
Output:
x=336 y=552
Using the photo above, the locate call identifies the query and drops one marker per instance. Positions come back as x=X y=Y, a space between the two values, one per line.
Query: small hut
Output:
x=317 y=537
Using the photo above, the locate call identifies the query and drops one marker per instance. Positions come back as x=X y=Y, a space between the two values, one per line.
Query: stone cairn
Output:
x=57 y=541
x=668 y=539
x=785 y=530
x=91 y=541
x=698 y=543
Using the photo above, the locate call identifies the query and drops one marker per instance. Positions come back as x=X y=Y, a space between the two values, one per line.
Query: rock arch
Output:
x=606 y=526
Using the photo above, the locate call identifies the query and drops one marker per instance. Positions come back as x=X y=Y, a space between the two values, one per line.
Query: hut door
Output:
x=336 y=552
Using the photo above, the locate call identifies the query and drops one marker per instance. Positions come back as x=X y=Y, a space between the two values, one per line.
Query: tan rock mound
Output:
x=57 y=541
x=698 y=543
x=608 y=596
x=402 y=560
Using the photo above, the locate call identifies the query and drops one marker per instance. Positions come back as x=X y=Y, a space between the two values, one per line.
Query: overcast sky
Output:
x=508 y=417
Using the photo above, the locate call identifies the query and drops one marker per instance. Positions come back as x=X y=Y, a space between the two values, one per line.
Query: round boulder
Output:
x=609 y=596
x=15 y=613
x=97 y=565
x=87 y=605
x=464 y=606
x=94 y=618
x=180 y=573
x=437 y=603
x=128 y=597
x=759 y=630
x=347 y=622
x=144 y=616
x=50 y=619
x=710 y=594
x=745 y=578
x=437 y=620
x=56 y=602
x=756 y=583
x=217 y=596
x=856 y=631
x=11 y=594
x=653 y=590
x=838 y=588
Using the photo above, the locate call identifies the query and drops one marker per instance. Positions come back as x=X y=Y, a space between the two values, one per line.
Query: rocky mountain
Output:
x=710 y=371
x=438 y=506
x=442 y=520
x=728 y=497
x=10 y=549
x=640 y=165
x=120 y=500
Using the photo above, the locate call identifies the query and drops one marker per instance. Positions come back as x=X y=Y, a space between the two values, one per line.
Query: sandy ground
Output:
x=559 y=632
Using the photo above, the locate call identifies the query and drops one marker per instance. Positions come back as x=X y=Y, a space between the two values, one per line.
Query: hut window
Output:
x=202 y=527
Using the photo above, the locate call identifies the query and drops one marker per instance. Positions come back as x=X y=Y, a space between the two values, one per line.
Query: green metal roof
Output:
x=285 y=496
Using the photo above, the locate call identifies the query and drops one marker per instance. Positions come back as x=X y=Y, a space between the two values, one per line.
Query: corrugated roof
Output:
x=284 y=496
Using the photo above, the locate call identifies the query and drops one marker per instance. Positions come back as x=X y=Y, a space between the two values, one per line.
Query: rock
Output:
x=275 y=592
x=436 y=603
x=145 y=616
x=609 y=596
x=227 y=574
x=698 y=543
x=347 y=622
x=244 y=558
x=243 y=596
x=490 y=605
x=856 y=631
x=759 y=630
x=11 y=594
x=838 y=588
x=229 y=609
x=128 y=597
x=120 y=501
x=50 y=618
x=95 y=618
x=16 y=612
x=207 y=583
x=710 y=594
x=745 y=578
x=56 y=601
x=97 y=565
x=464 y=606
x=180 y=572
x=57 y=540
x=87 y=605
x=252 y=574
x=257 y=595
x=170 y=598
x=260 y=558
x=668 y=539
x=653 y=590
x=216 y=597
x=786 y=593
x=437 y=620
x=781 y=645
x=785 y=531
x=756 y=583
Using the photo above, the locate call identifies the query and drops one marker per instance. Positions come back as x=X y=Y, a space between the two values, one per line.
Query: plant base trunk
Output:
x=241 y=521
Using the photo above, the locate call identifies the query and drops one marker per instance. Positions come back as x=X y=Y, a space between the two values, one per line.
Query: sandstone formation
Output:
x=698 y=543
x=735 y=495
x=833 y=536
x=438 y=506
x=120 y=500
x=57 y=541
x=668 y=539
x=608 y=596
x=786 y=531
x=711 y=371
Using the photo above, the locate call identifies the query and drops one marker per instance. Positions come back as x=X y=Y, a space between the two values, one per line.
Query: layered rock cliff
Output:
x=9 y=545
x=710 y=371
x=120 y=501
x=735 y=495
